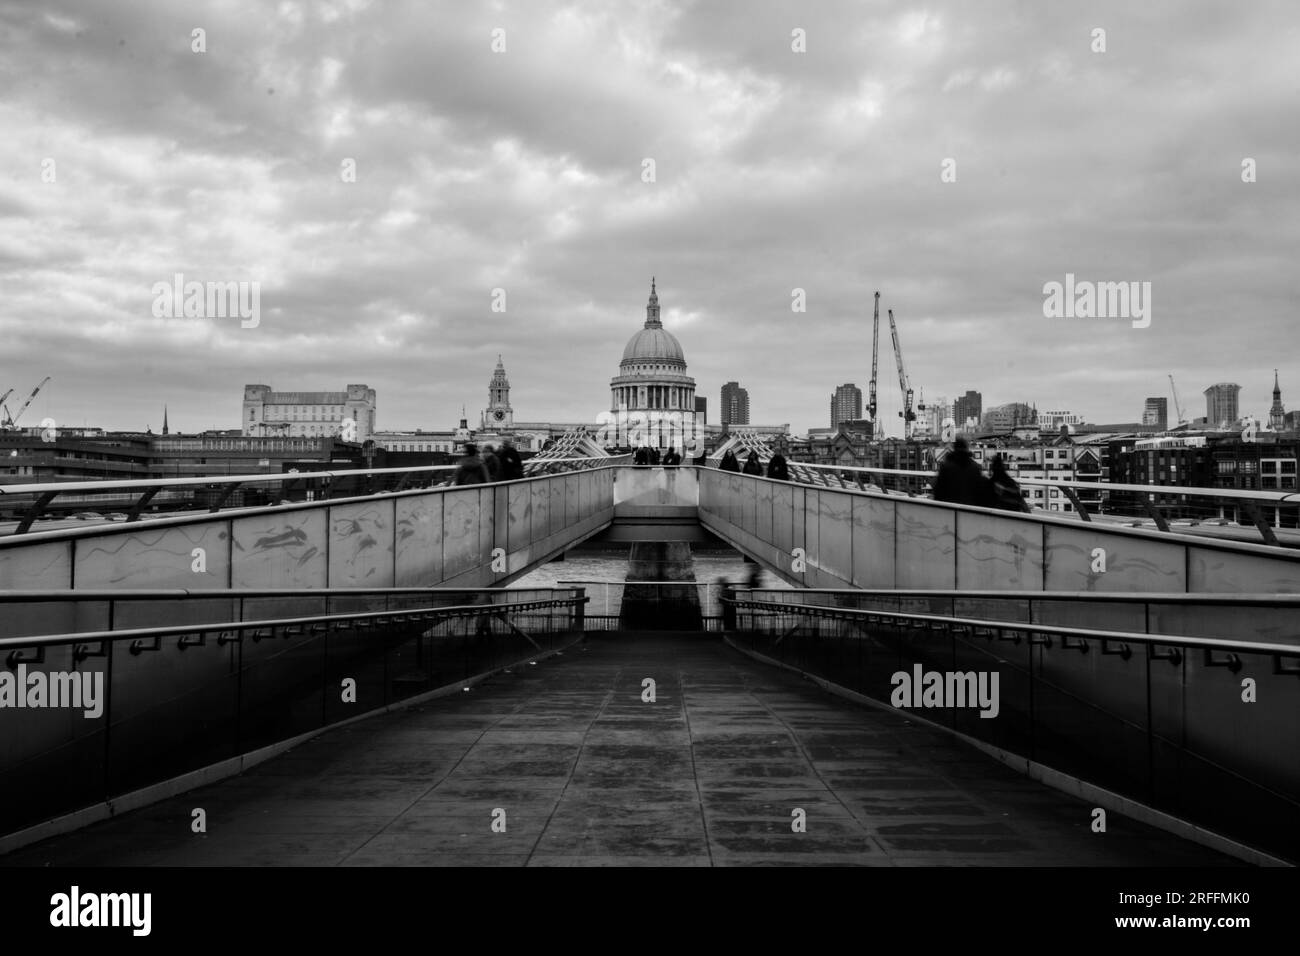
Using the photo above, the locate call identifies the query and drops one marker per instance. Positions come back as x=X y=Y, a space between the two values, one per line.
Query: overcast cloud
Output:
x=522 y=170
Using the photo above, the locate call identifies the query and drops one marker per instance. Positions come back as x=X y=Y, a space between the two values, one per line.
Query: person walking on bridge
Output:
x=753 y=466
x=671 y=458
x=960 y=480
x=471 y=470
x=777 y=468
x=728 y=462
x=491 y=463
x=1006 y=490
x=512 y=466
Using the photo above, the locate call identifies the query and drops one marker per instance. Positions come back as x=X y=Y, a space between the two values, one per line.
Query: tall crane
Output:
x=5 y=396
x=907 y=414
x=1178 y=406
x=12 y=421
x=875 y=355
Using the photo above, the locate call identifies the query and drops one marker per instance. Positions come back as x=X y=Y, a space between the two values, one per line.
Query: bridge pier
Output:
x=661 y=607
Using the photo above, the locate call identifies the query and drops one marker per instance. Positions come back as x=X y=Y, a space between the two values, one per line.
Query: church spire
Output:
x=165 y=409
x=1277 y=414
x=652 y=308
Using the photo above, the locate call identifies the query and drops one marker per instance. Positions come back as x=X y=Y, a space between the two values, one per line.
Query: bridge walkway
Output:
x=589 y=774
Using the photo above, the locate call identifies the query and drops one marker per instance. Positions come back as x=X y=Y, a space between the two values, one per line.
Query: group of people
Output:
x=960 y=480
x=651 y=456
x=497 y=464
x=776 y=465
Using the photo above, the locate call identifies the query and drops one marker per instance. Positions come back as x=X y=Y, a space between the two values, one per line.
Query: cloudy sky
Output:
x=523 y=170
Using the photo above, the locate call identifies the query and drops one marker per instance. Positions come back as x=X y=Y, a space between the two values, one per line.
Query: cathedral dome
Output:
x=653 y=344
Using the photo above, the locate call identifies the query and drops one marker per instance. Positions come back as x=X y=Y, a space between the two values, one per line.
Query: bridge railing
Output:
x=1204 y=728
x=1272 y=516
x=652 y=605
x=97 y=714
x=129 y=499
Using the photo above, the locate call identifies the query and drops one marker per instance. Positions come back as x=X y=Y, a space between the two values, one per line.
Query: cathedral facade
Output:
x=652 y=398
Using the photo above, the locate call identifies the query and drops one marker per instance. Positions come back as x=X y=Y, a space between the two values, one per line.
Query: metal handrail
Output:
x=137 y=594
x=137 y=633
x=260 y=478
x=1282 y=497
x=1136 y=637
x=1117 y=597
x=568 y=581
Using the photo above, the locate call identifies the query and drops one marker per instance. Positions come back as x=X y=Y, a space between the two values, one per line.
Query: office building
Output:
x=735 y=404
x=846 y=404
x=1156 y=413
x=1221 y=404
x=968 y=408
x=348 y=415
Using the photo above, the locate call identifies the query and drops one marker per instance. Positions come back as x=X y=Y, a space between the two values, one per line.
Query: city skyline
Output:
x=778 y=174
x=1193 y=413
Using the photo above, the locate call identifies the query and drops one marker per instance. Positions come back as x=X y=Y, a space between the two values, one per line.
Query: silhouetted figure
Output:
x=654 y=456
x=471 y=470
x=727 y=593
x=752 y=465
x=641 y=456
x=512 y=466
x=671 y=457
x=960 y=480
x=777 y=468
x=1006 y=490
x=729 y=463
x=755 y=576
x=492 y=463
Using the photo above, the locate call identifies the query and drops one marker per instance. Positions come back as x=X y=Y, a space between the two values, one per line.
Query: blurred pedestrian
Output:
x=512 y=466
x=1006 y=490
x=752 y=465
x=671 y=458
x=728 y=462
x=727 y=594
x=471 y=470
x=492 y=463
x=777 y=468
x=960 y=480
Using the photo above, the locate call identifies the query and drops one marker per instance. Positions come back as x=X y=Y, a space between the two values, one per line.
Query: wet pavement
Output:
x=563 y=763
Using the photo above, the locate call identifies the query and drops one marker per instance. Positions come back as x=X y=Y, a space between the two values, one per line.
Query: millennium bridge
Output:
x=346 y=675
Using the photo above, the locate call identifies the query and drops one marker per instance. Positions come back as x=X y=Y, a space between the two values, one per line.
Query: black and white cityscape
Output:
x=360 y=505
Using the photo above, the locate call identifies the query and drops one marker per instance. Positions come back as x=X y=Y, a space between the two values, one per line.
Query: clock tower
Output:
x=499 y=415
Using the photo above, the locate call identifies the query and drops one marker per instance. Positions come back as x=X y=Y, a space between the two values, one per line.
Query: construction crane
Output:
x=12 y=421
x=5 y=396
x=875 y=354
x=907 y=414
x=1178 y=406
